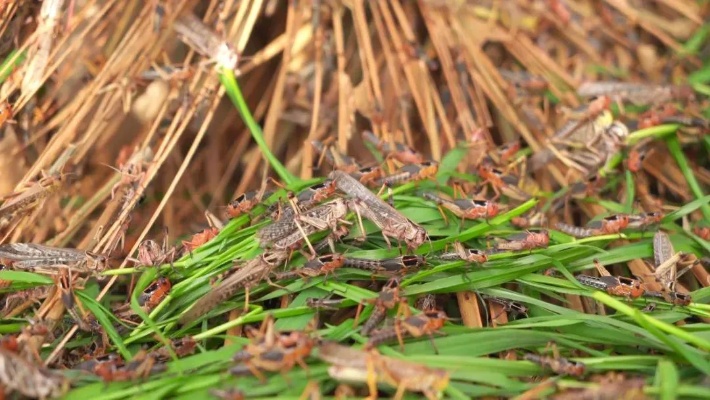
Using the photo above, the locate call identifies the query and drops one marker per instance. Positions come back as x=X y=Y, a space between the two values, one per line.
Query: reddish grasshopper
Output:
x=606 y=226
x=5 y=112
x=243 y=204
x=273 y=351
x=46 y=259
x=500 y=182
x=426 y=323
x=369 y=175
x=525 y=241
x=116 y=370
x=703 y=231
x=466 y=208
x=355 y=365
x=635 y=158
x=411 y=173
x=397 y=265
x=506 y=151
x=151 y=296
x=155 y=293
x=321 y=265
x=250 y=274
x=200 y=238
x=614 y=285
x=387 y=299
x=399 y=151
x=316 y=194
x=304 y=200
x=390 y=221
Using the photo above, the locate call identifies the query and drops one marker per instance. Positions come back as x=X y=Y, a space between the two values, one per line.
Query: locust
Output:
x=289 y=232
x=390 y=221
x=248 y=275
x=614 y=285
x=272 y=351
x=466 y=208
x=527 y=240
x=387 y=299
x=666 y=261
x=508 y=306
x=46 y=259
x=636 y=93
x=410 y=173
x=605 y=226
x=354 y=365
x=321 y=265
x=426 y=323
x=400 y=264
x=24 y=201
x=583 y=144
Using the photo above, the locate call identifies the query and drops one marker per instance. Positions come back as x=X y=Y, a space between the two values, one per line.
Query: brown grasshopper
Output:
x=397 y=265
x=288 y=233
x=46 y=259
x=370 y=367
x=24 y=201
x=390 y=221
x=249 y=275
x=636 y=93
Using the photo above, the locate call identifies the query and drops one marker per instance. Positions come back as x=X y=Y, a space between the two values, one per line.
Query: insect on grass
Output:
x=390 y=221
x=46 y=259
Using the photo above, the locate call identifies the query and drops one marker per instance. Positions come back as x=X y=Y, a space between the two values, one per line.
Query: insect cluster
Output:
x=367 y=259
x=317 y=224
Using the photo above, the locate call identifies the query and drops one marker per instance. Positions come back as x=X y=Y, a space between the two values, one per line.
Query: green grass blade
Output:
x=235 y=94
